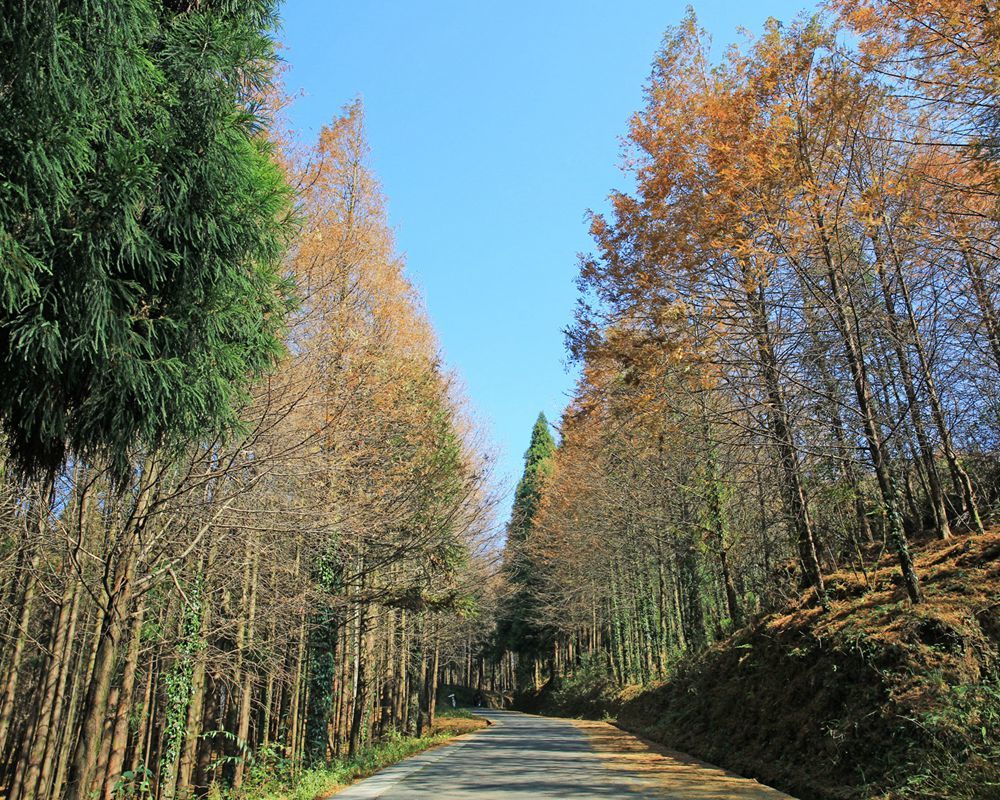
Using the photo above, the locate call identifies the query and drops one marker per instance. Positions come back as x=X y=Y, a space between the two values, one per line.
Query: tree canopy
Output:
x=142 y=223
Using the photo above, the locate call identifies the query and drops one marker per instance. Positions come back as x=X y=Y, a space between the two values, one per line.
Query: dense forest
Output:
x=243 y=509
x=788 y=332
x=789 y=350
x=246 y=518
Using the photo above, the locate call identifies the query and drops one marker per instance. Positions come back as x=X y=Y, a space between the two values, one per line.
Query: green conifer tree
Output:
x=143 y=222
x=518 y=629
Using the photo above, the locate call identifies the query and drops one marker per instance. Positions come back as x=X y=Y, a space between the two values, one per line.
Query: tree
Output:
x=142 y=224
x=519 y=628
x=788 y=334
x=279 y=592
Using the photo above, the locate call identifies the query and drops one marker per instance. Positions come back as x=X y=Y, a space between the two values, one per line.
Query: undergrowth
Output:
x=273 y=777
x=447 y=712
x=962 y=757
x=587 y=692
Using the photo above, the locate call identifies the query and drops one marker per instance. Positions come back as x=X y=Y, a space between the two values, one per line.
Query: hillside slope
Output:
x=872 y=698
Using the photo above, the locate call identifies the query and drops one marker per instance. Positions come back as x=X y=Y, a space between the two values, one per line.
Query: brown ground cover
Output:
x=676 y=775
x=871 y=698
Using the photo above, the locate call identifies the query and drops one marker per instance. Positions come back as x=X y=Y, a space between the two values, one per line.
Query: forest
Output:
x=789 y=348
x=243 y=508
x=247 y=518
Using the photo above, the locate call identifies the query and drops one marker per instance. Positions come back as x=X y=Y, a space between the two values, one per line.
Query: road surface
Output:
x=522 y=757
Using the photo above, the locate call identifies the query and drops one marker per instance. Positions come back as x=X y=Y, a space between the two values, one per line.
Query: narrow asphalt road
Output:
x=518 y=756
x=521 y=757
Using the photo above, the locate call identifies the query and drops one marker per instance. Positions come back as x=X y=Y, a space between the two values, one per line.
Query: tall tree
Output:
x=520 y=628
x=142 y=223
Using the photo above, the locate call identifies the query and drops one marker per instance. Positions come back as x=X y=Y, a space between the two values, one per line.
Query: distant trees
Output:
x=519 y=629
x=786 y=333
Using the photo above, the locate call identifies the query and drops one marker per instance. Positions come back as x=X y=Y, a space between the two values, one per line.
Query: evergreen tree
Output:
x=518 y=628
x=142 y=222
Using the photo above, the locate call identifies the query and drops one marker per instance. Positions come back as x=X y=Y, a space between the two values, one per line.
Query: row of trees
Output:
x=242 y=509
x=788 y=334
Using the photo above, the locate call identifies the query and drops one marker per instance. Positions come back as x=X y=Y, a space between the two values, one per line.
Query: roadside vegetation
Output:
x=873 y=698
x=273 y=777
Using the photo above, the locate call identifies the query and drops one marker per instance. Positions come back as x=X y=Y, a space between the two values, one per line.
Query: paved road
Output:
x=519 y=757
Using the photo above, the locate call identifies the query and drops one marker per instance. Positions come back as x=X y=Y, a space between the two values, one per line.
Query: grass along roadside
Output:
x=274 y=779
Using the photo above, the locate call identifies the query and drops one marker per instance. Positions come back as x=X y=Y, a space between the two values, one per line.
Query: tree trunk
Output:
x=87 y=753
x=981 y=291
x=361 y=682
x=26 y=604
x=876 y=448
x=119 y=736
x=960 y=476
x=793 y=492
x=59 y=643
x=432 y=686
x=926 y=452
x=56 y=733
x=244 y=639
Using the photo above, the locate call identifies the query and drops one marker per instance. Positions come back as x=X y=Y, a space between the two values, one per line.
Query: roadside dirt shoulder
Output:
x=685 y=777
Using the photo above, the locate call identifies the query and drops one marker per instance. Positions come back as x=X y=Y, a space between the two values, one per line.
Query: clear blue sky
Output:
x=494 y=126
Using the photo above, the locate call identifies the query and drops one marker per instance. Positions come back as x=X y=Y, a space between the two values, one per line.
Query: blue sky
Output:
x=493 y=127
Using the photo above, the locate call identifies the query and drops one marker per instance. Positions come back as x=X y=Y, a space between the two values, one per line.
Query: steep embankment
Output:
x=872 y=698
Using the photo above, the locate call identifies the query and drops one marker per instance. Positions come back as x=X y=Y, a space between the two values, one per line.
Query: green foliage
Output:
x=538 y=463
x=589 y=690
x=177 y=680
x=134 y=784
x=517 y=628
x=962 y=761
x=445 y=711
x=441 y=473
x=268 y=765
x=271 y=777
x=322 y=671
x=142 y=223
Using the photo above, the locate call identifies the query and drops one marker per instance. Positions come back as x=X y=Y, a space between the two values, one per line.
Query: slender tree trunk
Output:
x=70 y=734
x=26 y=605
x=55 y=733
x=107 y=729
x=58 y=643
x=432 y=685
x=935 y=492
x=299 y=677
x=402 y=706
x=981 y=291
x=119 y=736
x=876 y=448
x=960 y=476
x=87 y=753
x=196 y=702
x=793 y=491
x=32 y=536
x=206 y=748
x=245 y=636
x=418 y=691
x=361 y=682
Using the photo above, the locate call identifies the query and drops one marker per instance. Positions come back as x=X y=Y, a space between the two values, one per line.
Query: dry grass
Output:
x=458 y=726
